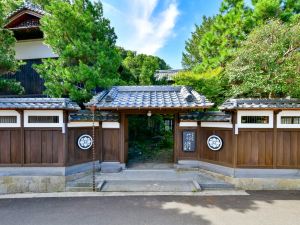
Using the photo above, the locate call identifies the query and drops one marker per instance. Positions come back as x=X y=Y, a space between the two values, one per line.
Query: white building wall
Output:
x=33 y=49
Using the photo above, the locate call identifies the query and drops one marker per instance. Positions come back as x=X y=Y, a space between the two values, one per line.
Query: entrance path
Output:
x=169 y=180
x=256 y=208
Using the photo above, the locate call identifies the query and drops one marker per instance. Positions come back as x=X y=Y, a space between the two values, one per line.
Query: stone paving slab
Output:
x=152 y=186
x=153 y=180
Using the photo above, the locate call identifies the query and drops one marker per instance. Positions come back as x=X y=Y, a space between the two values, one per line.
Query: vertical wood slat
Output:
x=274 y=144
x=255 y=148
x=111 y=145
x=5 y=147
x=122 y=138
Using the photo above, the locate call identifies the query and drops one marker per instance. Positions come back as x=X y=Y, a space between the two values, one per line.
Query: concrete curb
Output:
x=123 y=194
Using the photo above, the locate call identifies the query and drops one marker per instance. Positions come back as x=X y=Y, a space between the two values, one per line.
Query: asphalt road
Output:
x=261 y=208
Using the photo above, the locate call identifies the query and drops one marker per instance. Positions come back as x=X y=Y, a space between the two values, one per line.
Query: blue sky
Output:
x=157 y=27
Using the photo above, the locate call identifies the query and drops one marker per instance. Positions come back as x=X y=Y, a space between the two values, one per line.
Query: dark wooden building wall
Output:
x=44 y=146
x=10 y=146
x=29 y=78
x=222 y=157
x=75 y=154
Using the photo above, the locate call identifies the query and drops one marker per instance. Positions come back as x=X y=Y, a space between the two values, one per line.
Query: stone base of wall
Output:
x=266 y=183
x=250 y=179
x=35 y=184
x=40 y=179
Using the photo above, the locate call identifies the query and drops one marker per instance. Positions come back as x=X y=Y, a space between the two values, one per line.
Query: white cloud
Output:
x=141 y=25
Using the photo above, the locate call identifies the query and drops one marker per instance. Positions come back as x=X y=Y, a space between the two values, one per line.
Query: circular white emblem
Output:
x=214 y=142
x=85 y=141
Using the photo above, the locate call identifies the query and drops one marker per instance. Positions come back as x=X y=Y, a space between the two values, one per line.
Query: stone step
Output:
x=217 y=186
x=111 y=167
x=149 y=186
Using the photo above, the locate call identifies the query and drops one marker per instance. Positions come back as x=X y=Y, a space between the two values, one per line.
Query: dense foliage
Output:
x=222 y=42
x=268 y=62
x=8 y=63
x=85 y=43
x=139 y=69
x=210 y=82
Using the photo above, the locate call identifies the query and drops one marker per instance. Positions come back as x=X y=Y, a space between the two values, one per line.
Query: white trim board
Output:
x=58 y=113
x=268 y=113
x=188 y=124
x=11 y=113
x=217 y=124
x=115 y=125
x=287 y=113
x=83 y=124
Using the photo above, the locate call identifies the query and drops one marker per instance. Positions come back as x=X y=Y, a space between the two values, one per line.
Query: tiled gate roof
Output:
x=150 y=97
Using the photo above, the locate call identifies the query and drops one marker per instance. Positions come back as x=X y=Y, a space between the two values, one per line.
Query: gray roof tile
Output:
x=38 y=103
x=28 y=6
x=131 y=97
x=87 y=115
x=206 y=116
x=233 y=104
x=166 y=74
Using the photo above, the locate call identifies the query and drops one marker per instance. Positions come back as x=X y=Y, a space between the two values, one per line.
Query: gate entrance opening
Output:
x=150 y=139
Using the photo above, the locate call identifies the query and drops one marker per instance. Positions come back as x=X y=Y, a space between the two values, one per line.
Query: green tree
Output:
x=285 y=10
x=267 y=64
x=139 y=69
x=192 y=57
x=210 y=83
x=8 y=63
x=85 y=43
x=215 y=41
x=218 y=43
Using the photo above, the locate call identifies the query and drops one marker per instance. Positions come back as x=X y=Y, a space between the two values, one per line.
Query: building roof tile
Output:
x=233 y=104
x=167 y=75
x=38 y=103
x=28 y=6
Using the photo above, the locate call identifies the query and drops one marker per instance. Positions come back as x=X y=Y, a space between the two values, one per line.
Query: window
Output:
x=290 y=120
x=255 y=119
x=43 y=119
x=8 y=119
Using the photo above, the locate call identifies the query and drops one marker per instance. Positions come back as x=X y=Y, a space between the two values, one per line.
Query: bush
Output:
x=11 y=86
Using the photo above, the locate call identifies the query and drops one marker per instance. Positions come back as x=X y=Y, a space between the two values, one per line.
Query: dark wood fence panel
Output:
x=288 y=148
x=225 y=155
x=111 y=144
x=255 y=148
x=77 y=155
x=10 y=147
x=44 y=147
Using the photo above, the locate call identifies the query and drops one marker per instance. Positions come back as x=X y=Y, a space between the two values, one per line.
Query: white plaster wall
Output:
x=33 y=49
